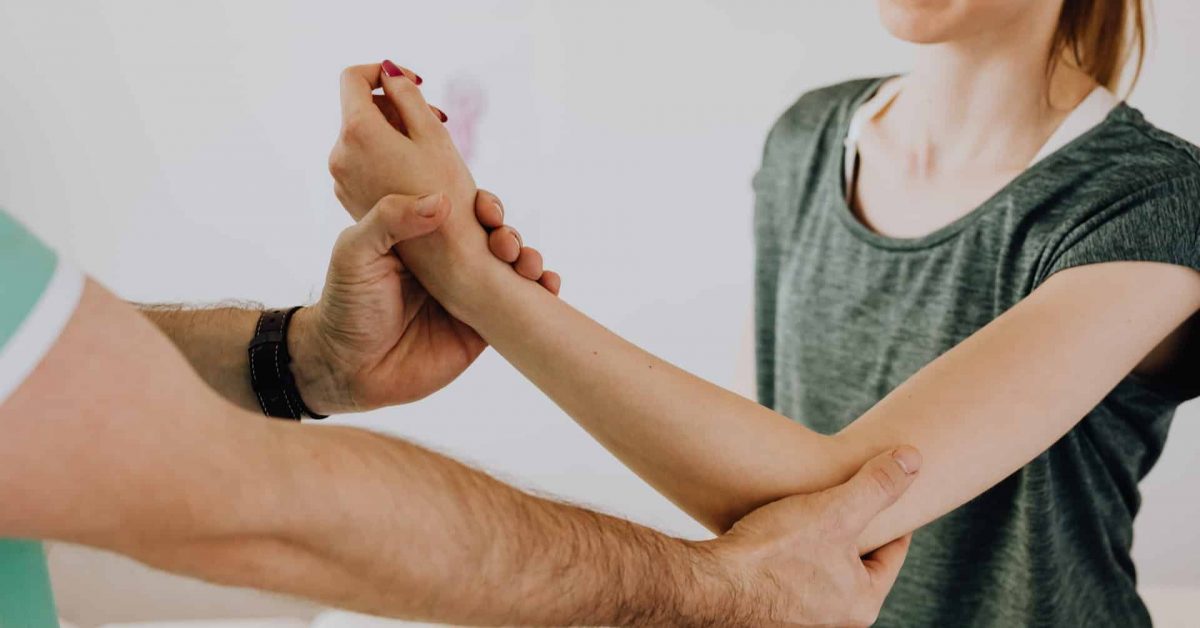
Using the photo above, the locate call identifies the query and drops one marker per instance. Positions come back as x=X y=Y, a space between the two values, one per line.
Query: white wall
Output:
x=177 y=150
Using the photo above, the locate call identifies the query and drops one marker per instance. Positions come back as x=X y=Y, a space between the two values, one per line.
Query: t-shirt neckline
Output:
x=835 y=177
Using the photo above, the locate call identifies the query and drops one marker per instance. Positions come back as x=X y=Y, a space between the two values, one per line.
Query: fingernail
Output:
x=392 y=70
x=517 y=239
x=908 y=458
x=427 y=206
x=500 y=208
x=440 y=114
x=417 y=78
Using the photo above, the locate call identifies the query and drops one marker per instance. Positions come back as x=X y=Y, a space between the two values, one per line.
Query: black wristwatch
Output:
x=270 y=368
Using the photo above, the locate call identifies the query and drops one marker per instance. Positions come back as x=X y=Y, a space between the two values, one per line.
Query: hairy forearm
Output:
x=385 y=527
x=171 y=474
x=215 y=340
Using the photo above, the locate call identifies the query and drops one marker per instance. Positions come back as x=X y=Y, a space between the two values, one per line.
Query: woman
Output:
x=989 y=257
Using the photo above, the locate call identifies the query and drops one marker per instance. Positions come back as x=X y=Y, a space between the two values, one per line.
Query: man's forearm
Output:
x=382 y=526
x=215 y=341
x=185 y=481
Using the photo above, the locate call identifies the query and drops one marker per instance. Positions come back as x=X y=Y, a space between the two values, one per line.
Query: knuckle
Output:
x=405 y=89
x=835 y=522
x=392 y=206
x=867 y=616
x=338 y=166
x=344 y=239
x=883 y=480
x=354 y=131
x=389 y=204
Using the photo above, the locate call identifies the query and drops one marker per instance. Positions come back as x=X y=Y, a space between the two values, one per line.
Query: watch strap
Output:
x=270 y=368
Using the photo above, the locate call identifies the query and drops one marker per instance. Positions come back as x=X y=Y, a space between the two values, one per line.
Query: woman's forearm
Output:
x=978 y=413
x=714 y=453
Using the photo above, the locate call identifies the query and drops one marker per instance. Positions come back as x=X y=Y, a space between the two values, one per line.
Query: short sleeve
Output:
x=38 y=294
x=1159 y=223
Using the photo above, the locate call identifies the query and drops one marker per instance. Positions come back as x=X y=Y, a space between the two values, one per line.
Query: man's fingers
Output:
x=529 y=264
x=406 y=97
x=877 y=485
x=393 y=219
x=399 y=218
x=551 y=281
x=884 y=564
x=505 y=244
x=489 y=210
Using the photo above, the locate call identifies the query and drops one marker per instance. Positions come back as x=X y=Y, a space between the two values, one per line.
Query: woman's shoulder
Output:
x=1134 y=149
x=820 y=108
x=1130 y=192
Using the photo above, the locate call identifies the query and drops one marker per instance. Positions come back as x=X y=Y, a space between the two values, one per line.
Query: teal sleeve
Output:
x=26 y=600
x=26 y=266
x=26 y=269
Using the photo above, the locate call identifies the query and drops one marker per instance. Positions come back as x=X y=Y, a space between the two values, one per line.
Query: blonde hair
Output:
x=1100 y=37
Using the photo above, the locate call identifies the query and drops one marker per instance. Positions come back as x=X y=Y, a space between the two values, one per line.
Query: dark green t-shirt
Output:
x=844 y=315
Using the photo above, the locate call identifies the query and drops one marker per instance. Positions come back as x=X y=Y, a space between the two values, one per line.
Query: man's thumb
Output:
x=392 y=220
x=877 y=485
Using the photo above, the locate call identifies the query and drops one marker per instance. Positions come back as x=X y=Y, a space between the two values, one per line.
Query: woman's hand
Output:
x=392 y=144
x=396 y=144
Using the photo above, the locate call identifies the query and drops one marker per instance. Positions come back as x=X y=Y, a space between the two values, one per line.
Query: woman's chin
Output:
x=918 y=35
x=939 y=21
x=916 y=25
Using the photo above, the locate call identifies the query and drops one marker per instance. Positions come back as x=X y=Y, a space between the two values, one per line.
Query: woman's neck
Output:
x=989 y=101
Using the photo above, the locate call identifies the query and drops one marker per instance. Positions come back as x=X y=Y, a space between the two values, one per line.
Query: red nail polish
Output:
x=417 y=78
x=441 y=115
x=391 y=69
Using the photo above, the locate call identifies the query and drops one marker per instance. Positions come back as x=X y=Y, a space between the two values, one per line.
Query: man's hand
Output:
x=376 y=337
x=796 y=561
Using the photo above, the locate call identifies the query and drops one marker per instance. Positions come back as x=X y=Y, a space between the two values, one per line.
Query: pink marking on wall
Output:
x=466 y=103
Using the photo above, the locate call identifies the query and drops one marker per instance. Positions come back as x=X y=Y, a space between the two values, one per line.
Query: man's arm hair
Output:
x=114 y=442
x=214 y=340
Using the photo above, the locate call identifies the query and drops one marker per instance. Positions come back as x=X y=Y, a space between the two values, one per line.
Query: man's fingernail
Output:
x=908 y=458
x=427 y=206
x=392 y=70
x=500 y=208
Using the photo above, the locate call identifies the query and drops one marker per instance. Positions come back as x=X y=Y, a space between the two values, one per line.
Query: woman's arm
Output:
x=978 y=413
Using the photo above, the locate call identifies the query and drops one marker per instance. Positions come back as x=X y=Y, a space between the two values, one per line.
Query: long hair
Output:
x=1101 y=37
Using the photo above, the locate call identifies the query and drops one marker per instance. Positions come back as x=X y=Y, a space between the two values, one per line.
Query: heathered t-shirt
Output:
x=845 y=314
x=38 y=294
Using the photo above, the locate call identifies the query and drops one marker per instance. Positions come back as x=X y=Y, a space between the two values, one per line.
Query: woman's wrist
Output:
x=475 y=284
